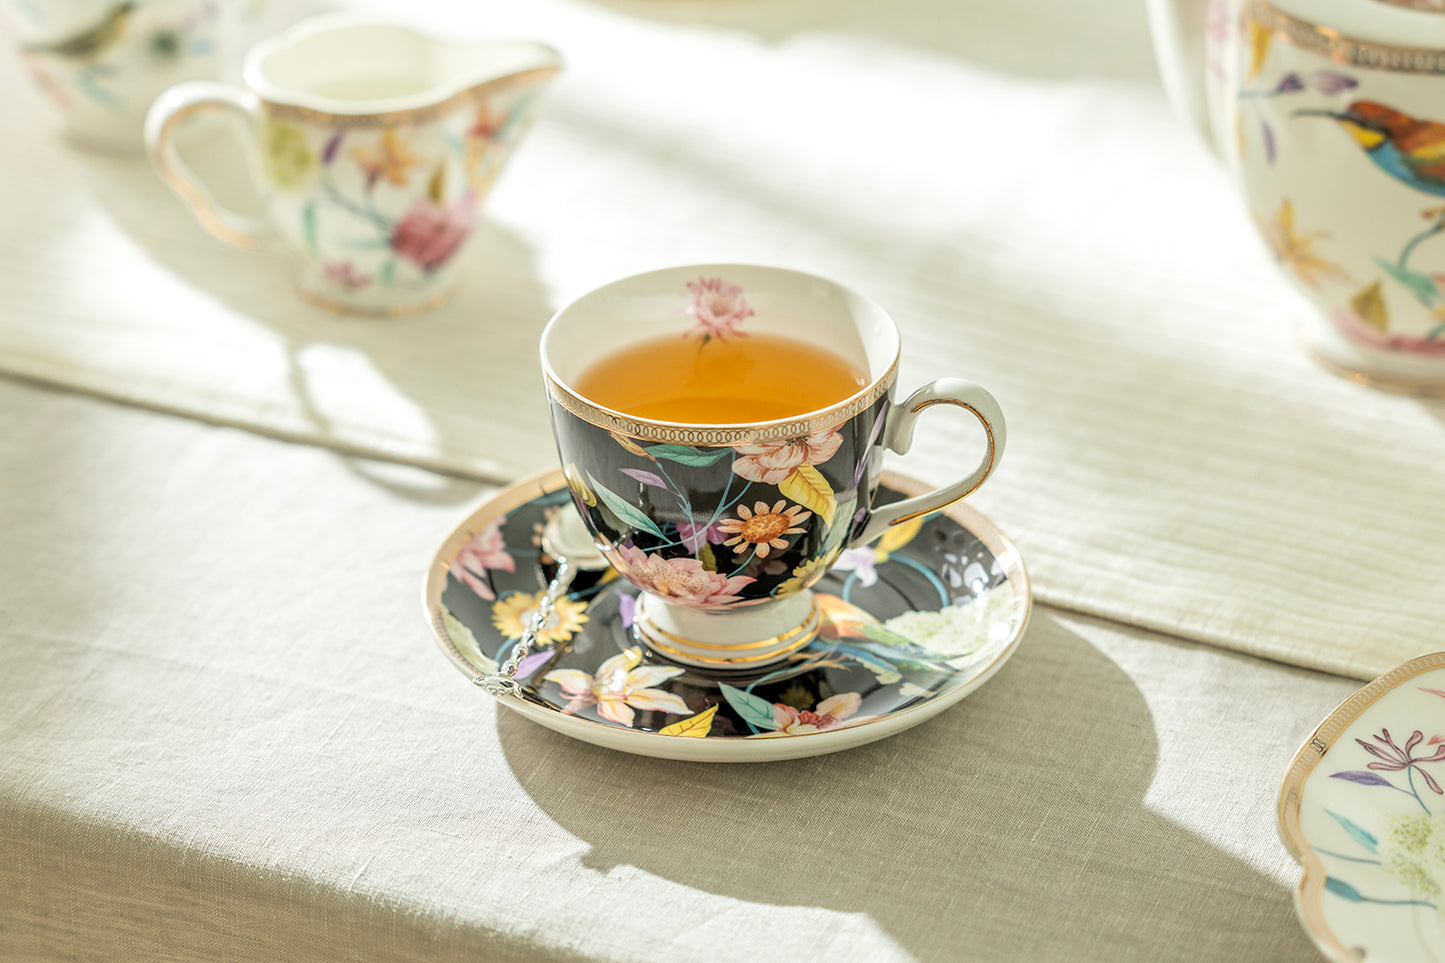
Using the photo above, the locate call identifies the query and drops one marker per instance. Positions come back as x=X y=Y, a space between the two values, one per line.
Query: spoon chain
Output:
x=501 y=682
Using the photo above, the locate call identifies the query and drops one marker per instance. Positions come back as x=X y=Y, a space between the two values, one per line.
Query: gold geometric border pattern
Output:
x=669 y=434
x=1287 y=813
x=1341 y=49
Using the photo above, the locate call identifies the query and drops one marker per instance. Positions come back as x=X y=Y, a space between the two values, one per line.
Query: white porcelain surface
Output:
x=1362 y=809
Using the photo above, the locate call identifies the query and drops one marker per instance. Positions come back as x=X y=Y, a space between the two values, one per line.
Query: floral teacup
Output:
x=725 y=526
x=102 y=62
x=375 y=146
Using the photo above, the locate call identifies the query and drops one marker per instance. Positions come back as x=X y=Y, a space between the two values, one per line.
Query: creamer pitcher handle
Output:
x=1178 y=28
x=172 y=108
x=898 y=437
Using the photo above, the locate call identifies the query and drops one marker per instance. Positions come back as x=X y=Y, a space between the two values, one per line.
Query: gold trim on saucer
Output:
x=676 y=434
x=1287 y=810
x=1322 y=40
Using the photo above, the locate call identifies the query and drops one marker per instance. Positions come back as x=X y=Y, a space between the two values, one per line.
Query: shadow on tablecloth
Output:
x=1013 y=826
x=390 y=362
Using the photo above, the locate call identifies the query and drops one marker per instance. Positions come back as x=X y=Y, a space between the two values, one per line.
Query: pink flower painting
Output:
x=828 y=714
x=695 y=535
x=486 y=550
x=1362 y=331
x=620 y=686
x=769 y=462
x=429 y=235
x=1391 y=758
x=345 y=274
x=681 y=580
x=718 y=307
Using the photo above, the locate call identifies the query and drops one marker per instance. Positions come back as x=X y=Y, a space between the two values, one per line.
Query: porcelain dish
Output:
x=1362 y=808
x=910 y=625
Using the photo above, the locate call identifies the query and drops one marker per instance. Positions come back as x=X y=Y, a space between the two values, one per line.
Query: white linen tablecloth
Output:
x=1006 y=179
x=227 y=734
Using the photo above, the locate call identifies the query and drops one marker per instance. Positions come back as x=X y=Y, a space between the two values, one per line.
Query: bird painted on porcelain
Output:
x=93 y=42
x=1410 y=150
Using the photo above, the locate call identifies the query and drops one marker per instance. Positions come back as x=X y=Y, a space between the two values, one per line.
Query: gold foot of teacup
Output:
x=741 y=639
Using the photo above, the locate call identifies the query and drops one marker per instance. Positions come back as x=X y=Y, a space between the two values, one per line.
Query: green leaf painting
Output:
x=1362 y=836
x=687 y=455
x=755 y=710
x=625 y=511
x=308 y=224
x=1420 y=285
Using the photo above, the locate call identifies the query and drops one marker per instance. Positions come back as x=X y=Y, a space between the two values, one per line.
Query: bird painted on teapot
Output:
x=1331 y=116
x=1407 y=148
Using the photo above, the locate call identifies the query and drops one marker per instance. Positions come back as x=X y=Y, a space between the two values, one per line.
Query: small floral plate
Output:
x=1362 y=808
x=910 y=625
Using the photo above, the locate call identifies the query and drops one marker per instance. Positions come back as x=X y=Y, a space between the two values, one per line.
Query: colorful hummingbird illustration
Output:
x=89 y=44
x=1410 y=150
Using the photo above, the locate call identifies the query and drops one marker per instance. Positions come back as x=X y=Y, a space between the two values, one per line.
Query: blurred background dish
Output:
x=102 y=62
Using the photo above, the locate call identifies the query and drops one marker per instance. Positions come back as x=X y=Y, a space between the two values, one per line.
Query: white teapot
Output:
x=1330 y=114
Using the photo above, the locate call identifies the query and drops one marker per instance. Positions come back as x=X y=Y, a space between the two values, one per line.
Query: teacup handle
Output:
x=898 y=437
x=172 y=108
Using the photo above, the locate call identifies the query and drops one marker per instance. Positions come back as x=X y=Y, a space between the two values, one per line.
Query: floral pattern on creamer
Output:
x=1391 y=297
x=389 y=207
x=929 y=575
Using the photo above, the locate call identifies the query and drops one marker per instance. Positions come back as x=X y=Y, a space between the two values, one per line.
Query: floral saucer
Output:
x=1362 y=807
x=910 y=625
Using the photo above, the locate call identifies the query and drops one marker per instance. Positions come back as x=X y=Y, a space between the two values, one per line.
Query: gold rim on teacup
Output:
x=674 y=433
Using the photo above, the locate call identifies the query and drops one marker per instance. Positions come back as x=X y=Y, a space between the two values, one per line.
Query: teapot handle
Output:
x=1178 y=28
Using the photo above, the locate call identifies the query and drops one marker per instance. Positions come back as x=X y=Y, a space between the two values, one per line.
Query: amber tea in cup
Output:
x=703 y=380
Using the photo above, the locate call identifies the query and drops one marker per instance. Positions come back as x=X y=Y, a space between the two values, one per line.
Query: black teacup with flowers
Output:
x=716 y=517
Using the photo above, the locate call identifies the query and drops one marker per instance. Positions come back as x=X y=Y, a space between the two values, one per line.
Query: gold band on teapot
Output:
x=1327 y=42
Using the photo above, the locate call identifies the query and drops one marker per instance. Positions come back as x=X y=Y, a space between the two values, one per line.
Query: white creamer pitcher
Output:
x=374 y=147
